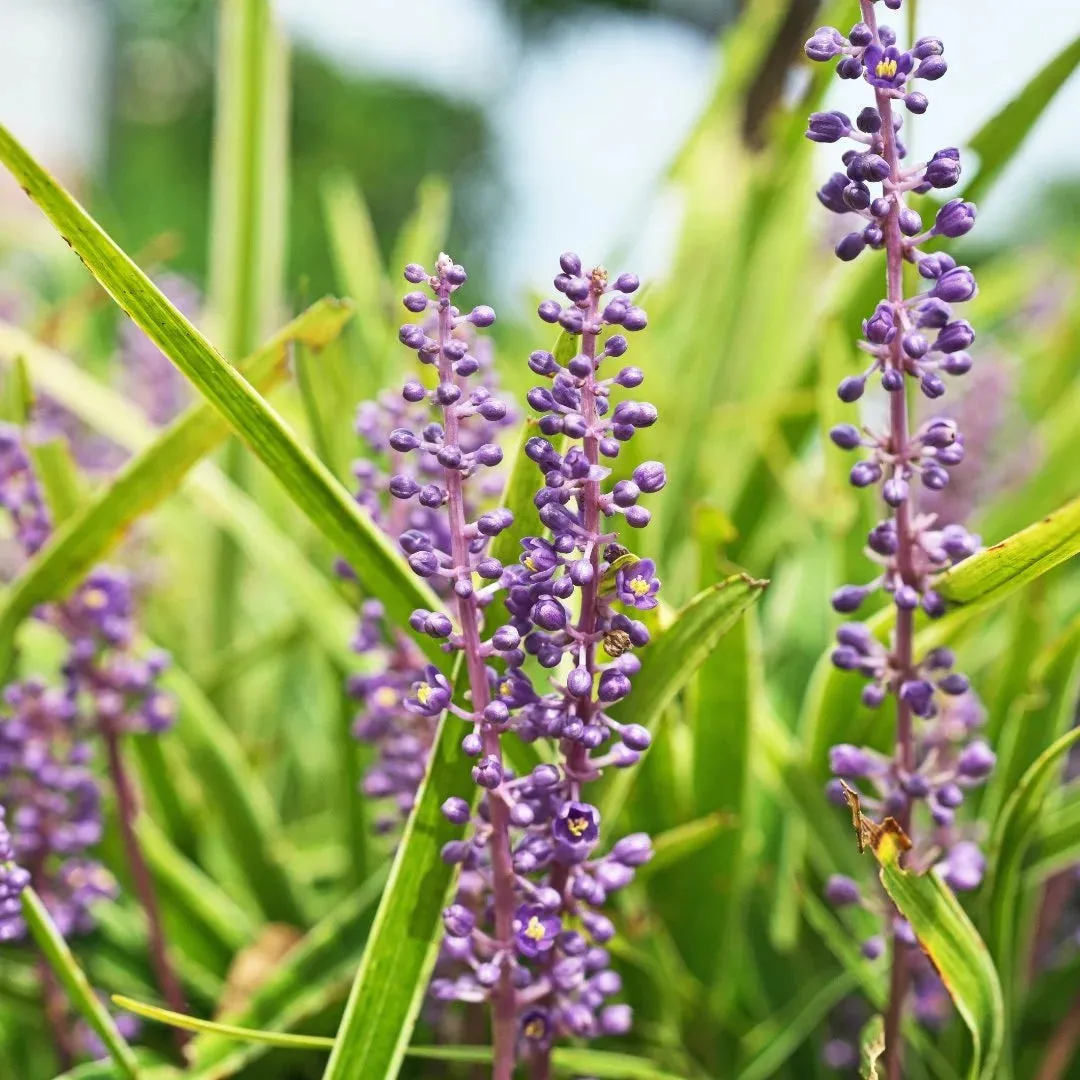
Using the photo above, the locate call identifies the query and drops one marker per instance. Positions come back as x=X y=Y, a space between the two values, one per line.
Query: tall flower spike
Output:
x=561 y=971
x=459 y=567
x=917 y=338
x=46 y=739
x=526 y=932
x=402 y=737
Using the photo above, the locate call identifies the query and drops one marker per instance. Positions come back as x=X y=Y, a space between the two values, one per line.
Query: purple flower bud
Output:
x=927 y=46
x=458 y=921
x=943 y=169
x=933 y=67
x=850 y=761
x=841 y=891
x=825 y=44
x=892 y=380
x=976 y=760
x=613 y=685
x=919 y=694
x=549 y=311
x=865 y=473
x=487 y=773
x=828 y=127
x=955 y=336
x=895 y=491
x=851 y=388
x=963 y=868
x=955 y=286
x=456 y=810
x=570 y=263
x=849 y=598
x=873 y=948
x=955 y=218
x=850 y=247
x=634 y=736
x=846 y=436
x=954 y=683
x=916 y=103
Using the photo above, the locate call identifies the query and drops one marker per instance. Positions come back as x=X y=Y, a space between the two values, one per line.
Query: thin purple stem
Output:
x=127 y=805
x=905 y=619
x=504 y=1022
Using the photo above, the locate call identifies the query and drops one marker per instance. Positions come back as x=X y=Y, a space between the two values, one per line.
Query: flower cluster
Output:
x=402 y=736
x=54 y=799
x=20 y=493
x=526 y=932
x=907 y=338
x=13 y=879
x=47 y=732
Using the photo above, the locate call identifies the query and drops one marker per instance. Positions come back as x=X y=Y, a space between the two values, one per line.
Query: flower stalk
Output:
x=922 y=783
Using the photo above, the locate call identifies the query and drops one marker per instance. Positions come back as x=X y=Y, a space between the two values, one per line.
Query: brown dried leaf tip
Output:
x=870 y=834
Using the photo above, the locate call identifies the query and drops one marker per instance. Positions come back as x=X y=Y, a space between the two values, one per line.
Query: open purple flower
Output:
x=430 y=695
x=637 y=584
x=887 y=68
x=576 y=830
x=535 y=930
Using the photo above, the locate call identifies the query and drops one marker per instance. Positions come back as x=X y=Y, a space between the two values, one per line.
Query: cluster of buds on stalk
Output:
x=526 y=932
x=910 y=339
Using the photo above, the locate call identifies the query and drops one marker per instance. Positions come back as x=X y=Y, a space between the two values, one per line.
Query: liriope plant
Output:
x=912 y=340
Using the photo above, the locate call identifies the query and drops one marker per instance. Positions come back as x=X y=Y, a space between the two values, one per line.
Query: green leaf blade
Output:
x=59 y=958
x=308 y=482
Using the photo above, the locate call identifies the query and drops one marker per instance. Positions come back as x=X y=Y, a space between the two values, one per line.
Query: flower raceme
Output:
x=48 y=734
x=526 y=931
x=918 y=339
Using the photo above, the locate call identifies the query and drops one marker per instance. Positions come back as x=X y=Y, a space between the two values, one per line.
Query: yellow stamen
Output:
x=530 y=564
x=577 y=825
x=885 y=69
x=505 y=688
x=95 y=599
x=534 y=1029
x=423 y=695
x=386 y=698
x=535 y=929
x=639 y=586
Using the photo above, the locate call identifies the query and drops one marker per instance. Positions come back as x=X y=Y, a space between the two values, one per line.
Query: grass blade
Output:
x=948 y=937
x=998 y=140
x=670 y=662
x=314 y=974
x=307 y=481
x=599 y=1063
x=1013 y=834
x=392 y=979
x=247 y=229
x=279 y=1039
x=773 y=1042
x=161 y=462
x=245 y=814
x=81 y=994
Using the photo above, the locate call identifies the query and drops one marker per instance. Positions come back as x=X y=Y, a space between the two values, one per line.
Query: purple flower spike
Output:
x=528 y=858
x=911 y=339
